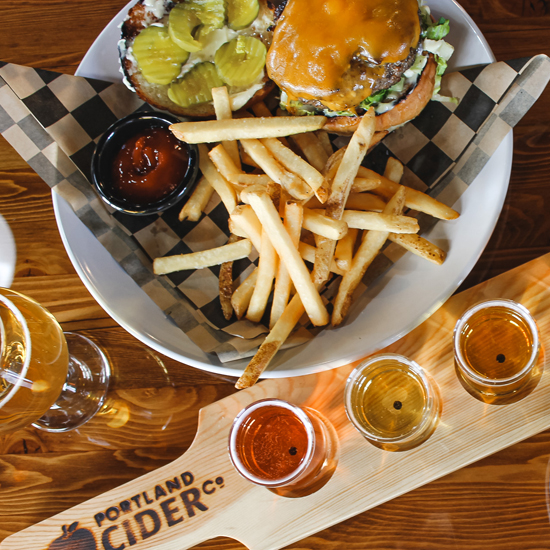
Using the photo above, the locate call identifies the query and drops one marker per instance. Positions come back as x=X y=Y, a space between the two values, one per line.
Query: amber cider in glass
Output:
x=392 y=402
x=496 y=346
x=290 y=450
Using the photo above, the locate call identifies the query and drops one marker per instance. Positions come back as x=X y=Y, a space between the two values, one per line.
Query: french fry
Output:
x=322 y=225
x=365 y=201
x=377 y=138
x=377 y=221
x=312 y=149
x=224 y=163
x=247 y=224
x=314 y=204
x=324 y=140
x=293 y=184
x=419 y=246
x=224 y=189
x=327 y=196
x=393 y=170
x=271 y=222
x=412 y=242
x=205 y=258
x=267 y=267
x=284 y=197
x=369 y=174
x=361 y=184
x=222 y=107
x=225 y=280
x=249 y=179
x=196 y=203
x=297 y=165
x=416 y=200
x=332 y=164
x=348 y=167
x=241 y=297
x=211 y=131
x=247 y=159
x=343 y=254
x=293 y=218
x=274 y=192
x=340 y=189
x=308 y=254
x=271 y=345
x=273 y=342
x=370 y=246
x=260 y=109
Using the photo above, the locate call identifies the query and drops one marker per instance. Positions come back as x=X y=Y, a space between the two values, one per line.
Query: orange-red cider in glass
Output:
x=290 y=450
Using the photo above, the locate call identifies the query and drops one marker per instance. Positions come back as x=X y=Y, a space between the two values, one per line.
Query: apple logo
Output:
x=74 y=539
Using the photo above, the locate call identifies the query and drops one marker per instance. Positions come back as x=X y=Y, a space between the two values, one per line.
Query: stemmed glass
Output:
x=52 y=380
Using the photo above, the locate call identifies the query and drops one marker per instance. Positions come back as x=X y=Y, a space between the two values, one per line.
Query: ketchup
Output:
x=149 y=166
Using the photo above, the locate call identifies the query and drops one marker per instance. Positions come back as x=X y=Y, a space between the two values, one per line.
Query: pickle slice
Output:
x=196 y=85
x=240 y=61
x=158 y=57
x=241 y=13
x=181 y=22
x=210 y=12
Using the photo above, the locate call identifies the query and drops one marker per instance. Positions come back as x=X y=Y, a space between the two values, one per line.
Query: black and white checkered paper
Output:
x=54 y=121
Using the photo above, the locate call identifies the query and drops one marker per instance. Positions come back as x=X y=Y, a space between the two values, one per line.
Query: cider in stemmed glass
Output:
x=53 y=380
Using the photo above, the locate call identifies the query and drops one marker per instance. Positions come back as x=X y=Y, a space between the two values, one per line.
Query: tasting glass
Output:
x=392 y=402
x=290 y=450
x=52 y=380
x=497 y=347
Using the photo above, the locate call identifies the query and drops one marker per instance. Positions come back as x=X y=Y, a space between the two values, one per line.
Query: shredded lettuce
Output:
x=439 y=48
x=442 y=52
x=373 y=99
x=302 y=108
x=445 y=99
x=417 y=67
x=329 y=113
x=439 y=30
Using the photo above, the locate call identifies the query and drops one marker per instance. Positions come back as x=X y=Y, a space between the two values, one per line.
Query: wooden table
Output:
x=499 y=502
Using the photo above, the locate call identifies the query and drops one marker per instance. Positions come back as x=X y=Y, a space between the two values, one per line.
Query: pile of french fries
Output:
x=300 y=202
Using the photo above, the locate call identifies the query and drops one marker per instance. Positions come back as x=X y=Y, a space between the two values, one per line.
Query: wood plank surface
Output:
x=366 y=476
x=499 y=502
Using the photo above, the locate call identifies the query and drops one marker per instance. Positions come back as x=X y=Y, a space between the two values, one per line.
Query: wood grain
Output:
x=366 y=476
x=498 y=502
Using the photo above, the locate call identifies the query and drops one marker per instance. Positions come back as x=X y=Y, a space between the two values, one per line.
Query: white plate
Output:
x=400 y=301
x=7 y=254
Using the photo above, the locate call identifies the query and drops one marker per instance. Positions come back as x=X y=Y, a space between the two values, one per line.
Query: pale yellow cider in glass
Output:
x=33 y=373
x=392 y=402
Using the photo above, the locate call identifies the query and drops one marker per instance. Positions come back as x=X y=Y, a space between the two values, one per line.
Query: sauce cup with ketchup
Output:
x=139 y=167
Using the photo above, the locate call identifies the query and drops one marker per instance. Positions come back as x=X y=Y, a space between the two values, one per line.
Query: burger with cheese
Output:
x=341 y=57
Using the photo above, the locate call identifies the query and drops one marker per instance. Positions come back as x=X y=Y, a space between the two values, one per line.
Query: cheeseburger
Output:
x=341 y=57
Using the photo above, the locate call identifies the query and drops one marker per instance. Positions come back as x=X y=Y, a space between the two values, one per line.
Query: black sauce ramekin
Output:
x=111 y=142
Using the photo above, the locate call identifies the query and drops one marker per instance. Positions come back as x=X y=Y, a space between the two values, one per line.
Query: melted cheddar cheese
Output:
x=333 y=50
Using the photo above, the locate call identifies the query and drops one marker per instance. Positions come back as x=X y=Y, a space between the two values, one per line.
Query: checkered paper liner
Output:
x=54 y=121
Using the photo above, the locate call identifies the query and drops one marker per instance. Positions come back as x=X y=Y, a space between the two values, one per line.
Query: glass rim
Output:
x=425 y=380
x=243 y=415
x=487 y=304
x=26 y=333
